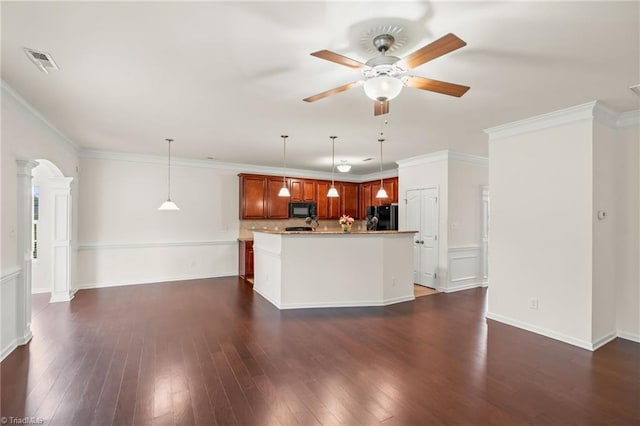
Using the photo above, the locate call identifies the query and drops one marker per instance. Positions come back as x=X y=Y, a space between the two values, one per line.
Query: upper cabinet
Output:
x=328 y=208
x=259 y=196
x=302 y=190
x=277 y=207
x=349 y=199
x=253 y=194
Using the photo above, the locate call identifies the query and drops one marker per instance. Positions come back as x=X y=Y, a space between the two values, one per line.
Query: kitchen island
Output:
x=333 y=269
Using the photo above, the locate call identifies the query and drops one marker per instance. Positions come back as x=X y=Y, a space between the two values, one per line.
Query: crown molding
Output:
x=544 y=121
x=628 y=119
x=595 y=110
x=61 y=137
x=444 y=155
x=234 y=168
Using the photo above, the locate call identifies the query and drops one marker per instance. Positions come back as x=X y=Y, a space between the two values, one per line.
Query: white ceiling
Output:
x=226 y=79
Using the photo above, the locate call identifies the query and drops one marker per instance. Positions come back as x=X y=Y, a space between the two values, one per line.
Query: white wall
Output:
x=549 y=176
x=465 y=202
x=25 y=136
x=124 y=239
x=540 y=233
x=607 y=197
x=627 y=231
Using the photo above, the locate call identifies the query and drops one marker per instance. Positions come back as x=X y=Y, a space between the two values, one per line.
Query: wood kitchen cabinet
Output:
x=259 y=196
x=253 y=194
x=368 y=191
x=245 y=257
x=349 y=199
x=277 y=207
x=302 y=190
x=328 y=208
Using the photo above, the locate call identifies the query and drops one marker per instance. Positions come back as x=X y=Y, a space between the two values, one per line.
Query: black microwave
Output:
x=302 y=209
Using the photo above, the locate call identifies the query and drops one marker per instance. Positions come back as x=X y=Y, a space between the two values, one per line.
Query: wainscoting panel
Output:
x=9 y=338
x=465 y=268
x=108 y=265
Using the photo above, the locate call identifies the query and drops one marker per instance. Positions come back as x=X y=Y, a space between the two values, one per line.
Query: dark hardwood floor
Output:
x=213 y=352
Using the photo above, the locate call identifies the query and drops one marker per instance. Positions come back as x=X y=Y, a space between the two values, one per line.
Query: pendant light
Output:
x=333 y=192
x=169 y=205
x=284 y=191
x=382 y=193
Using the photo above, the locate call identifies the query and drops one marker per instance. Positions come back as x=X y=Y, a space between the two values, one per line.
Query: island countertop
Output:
x=319 y=269
x=333 y=232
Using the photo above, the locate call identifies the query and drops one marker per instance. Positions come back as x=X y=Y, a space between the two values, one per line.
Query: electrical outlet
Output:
x=533 y=304
x=393 y=282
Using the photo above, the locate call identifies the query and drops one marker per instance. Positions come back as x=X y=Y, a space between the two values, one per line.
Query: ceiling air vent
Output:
x=43 y=61
x=367 y=159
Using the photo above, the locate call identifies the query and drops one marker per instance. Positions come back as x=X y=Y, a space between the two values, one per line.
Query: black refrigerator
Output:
x=387 y=215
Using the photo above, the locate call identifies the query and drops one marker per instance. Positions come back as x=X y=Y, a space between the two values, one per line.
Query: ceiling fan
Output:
x=386 y=75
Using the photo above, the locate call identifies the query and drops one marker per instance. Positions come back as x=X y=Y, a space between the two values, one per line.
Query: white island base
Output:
x=331 y=269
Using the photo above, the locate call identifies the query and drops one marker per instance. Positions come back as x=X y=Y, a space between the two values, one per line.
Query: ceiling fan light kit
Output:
x=383 y=88
x=386 y=75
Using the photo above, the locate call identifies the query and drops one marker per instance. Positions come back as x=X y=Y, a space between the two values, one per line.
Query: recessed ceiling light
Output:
x=635 y=89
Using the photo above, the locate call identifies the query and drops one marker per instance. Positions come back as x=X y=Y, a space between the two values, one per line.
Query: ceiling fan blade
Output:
x=436 y=86
x=380 y=108
x=331 y=92
x=338 y=59
x=442 y=46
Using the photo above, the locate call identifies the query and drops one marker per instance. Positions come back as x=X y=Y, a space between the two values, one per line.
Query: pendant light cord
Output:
x=333 y=156
x=284 y=159
x=381 y=140
x=169 y=172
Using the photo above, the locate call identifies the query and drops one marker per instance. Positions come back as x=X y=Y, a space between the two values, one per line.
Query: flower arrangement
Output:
x=346 y=220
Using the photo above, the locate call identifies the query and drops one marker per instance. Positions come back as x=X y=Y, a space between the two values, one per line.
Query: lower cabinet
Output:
x=245 y=257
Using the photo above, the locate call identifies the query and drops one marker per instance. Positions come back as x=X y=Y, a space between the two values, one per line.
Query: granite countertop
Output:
x=334 y=232
x=245 y=238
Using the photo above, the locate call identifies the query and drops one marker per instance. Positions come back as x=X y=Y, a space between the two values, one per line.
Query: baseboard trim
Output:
x=61 y=297
x=18 y=341
x=462 y=287
x=634 y=337
x=542 y=331
x=349 y=304
x=155 y=280
x=40 y=291
x=598 y=343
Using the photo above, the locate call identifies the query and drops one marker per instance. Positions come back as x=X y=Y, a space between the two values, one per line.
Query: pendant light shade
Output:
x=333 y=192
x=284 y=191
x=382 y=193
x=169 y=205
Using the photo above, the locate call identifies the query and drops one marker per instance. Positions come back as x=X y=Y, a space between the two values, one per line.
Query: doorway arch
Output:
x=51 y=270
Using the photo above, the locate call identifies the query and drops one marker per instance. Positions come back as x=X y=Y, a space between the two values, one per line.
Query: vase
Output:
x=346 y=228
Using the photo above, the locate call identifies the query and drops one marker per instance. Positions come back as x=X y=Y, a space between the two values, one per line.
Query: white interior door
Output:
x=423 y=216
x=429 y=237
x=414 y=222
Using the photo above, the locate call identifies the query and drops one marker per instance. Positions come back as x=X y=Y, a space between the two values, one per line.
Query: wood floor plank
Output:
x=212 y=352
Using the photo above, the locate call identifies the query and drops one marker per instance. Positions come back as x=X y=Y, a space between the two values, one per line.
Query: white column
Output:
x=61 y=239
x=24 y=199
